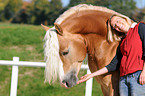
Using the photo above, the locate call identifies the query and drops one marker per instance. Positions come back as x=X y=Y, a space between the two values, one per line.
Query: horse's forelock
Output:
x=54 y=65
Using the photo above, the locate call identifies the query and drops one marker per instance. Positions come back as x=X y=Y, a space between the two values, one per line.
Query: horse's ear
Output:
x=58 y=28
x=45 y=27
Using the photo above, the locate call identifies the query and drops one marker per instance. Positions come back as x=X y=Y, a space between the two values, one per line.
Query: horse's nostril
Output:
x=67 y=84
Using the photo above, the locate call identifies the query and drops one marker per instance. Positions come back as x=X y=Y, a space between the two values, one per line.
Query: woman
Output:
x=129 y=58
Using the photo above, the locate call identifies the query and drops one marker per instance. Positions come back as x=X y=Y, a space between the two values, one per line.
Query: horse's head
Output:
x=64 y=54
x=72 y=53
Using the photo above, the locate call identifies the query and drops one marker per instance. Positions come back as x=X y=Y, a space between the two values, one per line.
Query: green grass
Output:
x=26 y=42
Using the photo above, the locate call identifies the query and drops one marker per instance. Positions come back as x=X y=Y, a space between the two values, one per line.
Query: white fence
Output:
x=14 y=78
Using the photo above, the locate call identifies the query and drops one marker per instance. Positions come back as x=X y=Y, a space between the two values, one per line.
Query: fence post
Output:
x=14 y=78
x=89 y=85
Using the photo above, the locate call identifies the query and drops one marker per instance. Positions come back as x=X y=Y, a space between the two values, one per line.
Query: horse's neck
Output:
x=86 y=22
x=99 y=50
x=93 y=42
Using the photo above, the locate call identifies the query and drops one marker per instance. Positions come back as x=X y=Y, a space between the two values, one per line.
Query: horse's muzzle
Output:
x=70 y=80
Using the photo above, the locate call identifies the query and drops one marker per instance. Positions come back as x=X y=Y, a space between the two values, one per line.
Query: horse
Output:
x=82 y=29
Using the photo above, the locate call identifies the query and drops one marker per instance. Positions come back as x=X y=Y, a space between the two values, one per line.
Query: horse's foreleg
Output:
x=109 y=84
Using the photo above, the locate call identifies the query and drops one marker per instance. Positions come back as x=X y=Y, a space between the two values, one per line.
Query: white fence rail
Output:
x=14 y=78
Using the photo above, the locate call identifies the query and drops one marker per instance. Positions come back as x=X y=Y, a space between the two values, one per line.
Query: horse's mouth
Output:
x=64 y=85
x=70 y=79
x=68 y=84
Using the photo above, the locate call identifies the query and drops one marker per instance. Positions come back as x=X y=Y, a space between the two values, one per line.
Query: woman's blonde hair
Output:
x=112 y=35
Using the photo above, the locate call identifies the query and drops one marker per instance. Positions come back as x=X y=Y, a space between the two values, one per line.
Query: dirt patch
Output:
x=4 y=83
x=26 y=47
x=30 y=73
x=29 y=47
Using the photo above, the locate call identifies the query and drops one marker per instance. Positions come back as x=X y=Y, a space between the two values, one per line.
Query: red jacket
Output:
x=131 y=49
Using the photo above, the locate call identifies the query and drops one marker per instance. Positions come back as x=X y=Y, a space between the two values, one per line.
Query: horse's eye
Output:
x=65 y=53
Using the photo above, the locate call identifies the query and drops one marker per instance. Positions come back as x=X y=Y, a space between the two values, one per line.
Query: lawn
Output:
x=26 y=42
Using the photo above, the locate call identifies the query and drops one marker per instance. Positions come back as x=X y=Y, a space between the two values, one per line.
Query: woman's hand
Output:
x=84 y=78
x=142 y=78
x=88 y=76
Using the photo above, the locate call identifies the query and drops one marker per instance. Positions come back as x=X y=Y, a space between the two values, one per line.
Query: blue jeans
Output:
x=129 y=85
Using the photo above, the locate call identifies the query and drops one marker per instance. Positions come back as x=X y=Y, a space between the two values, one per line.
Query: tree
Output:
x=44 y=11
x=75 y=2
x=105 y=3
x=139 y=15
x=11 y=8
x=125 y=7
x=38 y=11
x=3 y=3
x=56 y=10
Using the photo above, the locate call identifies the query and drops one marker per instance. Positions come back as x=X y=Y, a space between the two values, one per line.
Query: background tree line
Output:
x=46 y=11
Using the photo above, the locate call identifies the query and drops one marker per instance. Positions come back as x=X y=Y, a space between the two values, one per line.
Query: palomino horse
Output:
x=81 y=30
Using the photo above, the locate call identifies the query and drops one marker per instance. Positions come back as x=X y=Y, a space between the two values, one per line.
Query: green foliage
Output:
x=46 y=11
x=8 y=8
x=105 y=3
x=38 y=11
x=2 y=7
x=125 y=7
x=3 y=4
x=56 y=7
x=75 y=2
x=26 y=42
x=139 y=15
x=11 y=8
x=35 y=12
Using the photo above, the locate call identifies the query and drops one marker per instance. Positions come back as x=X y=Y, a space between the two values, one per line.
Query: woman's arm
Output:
x=113 y=66
x=88 y=76
x=141 y=31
